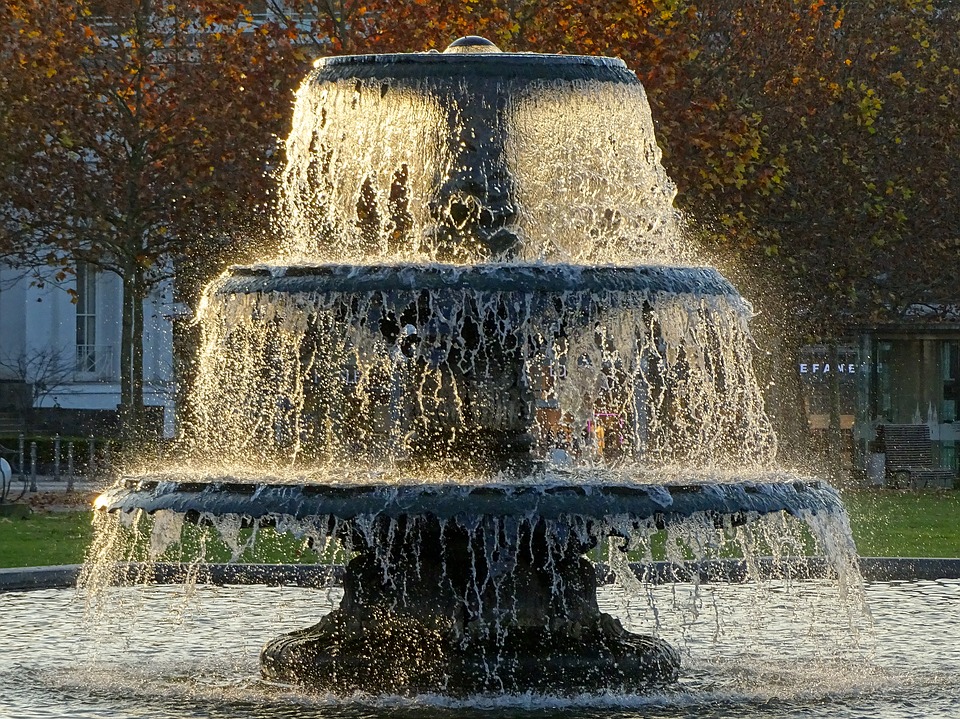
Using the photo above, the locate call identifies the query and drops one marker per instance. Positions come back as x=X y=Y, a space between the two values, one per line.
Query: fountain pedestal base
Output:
x=516 y=615
x=401 y=654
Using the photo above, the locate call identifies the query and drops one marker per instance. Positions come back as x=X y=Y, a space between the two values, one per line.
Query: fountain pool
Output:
x=783 y=653
x=482 y=355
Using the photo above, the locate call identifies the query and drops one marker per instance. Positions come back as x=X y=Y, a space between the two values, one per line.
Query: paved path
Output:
x=47 y=483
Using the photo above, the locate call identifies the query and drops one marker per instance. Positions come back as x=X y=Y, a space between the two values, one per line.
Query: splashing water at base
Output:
x=794 y=658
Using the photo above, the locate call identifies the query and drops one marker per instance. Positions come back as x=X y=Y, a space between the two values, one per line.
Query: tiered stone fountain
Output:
x=481 y=353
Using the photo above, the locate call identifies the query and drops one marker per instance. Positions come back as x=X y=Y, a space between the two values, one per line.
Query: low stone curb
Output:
x=907 y=569
x=25 y=578
x=874 y=569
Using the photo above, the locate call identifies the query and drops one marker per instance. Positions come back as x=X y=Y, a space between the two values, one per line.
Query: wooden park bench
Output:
x=909 y=458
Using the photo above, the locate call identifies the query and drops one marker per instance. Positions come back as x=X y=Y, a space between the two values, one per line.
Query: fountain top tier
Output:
x=482 y=269
x=475 y=155
x=482 y=60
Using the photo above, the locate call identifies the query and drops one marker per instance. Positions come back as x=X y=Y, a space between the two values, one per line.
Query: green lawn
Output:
x=48 y=538
x=885 y=524
x=892 y=523
x=44 y=539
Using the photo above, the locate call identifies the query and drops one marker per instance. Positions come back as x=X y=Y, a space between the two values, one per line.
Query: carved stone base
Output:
x=400 y=654
x=437 y=607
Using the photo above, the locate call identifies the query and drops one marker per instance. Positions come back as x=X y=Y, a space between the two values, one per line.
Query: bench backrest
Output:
x=907 y=445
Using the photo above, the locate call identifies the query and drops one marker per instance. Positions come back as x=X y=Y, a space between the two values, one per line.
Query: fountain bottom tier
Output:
x=455 y=617
x=466 y=589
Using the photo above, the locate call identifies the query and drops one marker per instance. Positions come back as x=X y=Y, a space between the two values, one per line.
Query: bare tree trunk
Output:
x=136 y=349
x=126 y=342
x=131 y=355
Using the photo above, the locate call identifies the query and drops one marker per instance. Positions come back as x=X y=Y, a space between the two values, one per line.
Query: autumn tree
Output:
x=820 y=144
x=822 y=156
x=136 y=139
x=813 y=144
x=876 y=196
x=813 y=141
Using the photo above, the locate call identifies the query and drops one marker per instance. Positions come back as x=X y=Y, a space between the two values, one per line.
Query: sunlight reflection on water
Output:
x=770 y=652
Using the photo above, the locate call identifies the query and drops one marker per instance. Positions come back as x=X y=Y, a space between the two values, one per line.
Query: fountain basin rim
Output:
x=437 y=67
x=873 y=569
x=434 y=58
x=664 y=503
x=493 y=277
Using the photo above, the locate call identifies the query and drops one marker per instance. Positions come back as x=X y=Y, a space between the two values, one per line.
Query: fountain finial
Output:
x=471 y=44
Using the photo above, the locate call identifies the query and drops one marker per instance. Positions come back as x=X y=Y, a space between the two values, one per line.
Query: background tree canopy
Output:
x=815 y=146
x=136 y=138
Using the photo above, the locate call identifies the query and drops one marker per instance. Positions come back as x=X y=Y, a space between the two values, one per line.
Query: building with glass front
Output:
x=910 y=375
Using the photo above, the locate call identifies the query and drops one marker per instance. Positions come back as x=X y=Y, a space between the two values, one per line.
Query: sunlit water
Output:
x=481 y=264
x=777 y=651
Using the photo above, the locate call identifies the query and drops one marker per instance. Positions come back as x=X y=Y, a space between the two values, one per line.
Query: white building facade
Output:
x=62 y=340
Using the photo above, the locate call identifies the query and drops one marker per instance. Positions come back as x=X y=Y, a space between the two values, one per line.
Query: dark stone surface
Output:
x=549 y=500
x=445 y=70
x=18 y=579
x=546 y=280
x=400 y=653
x=458 y=611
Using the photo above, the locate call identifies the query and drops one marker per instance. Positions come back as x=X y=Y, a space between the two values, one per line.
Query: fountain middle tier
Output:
x=537 y=280
x=483 y=367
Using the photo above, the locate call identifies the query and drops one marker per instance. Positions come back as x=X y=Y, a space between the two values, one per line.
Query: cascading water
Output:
x=473 y=157
x=481 y=355
x=381 y=365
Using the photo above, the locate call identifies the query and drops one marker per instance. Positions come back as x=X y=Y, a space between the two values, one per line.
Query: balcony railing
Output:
x=94 y=362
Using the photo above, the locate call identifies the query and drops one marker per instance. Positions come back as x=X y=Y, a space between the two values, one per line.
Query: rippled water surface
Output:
x=777 y=651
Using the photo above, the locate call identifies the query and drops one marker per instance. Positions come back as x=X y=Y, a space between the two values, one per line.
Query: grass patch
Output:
x=893 y=523
x=50 y=538
x=886 y=523
x=44 y=539
x=268 y=547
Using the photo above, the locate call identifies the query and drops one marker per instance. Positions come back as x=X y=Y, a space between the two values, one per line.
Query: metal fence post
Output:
x=70 y=468
x=21 y=450
x=33 y=466
x=56 y=456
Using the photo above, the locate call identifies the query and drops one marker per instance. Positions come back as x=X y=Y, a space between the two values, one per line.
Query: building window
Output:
x=86 y=319
x=950 y=365
x=828 y=376
x=884 y=380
